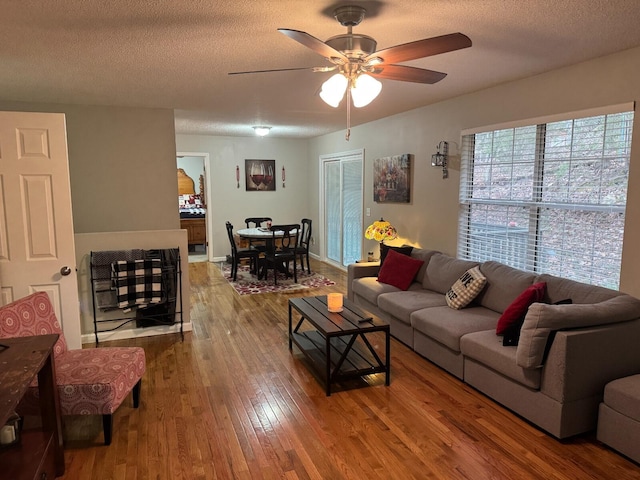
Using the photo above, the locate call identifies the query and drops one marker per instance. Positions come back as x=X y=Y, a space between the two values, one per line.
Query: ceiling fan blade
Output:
x=422 y=48
x=314 y=44
x=405 y=73
x=272 y=70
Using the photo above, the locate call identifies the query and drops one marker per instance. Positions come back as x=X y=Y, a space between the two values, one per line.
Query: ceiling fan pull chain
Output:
x=348 y=134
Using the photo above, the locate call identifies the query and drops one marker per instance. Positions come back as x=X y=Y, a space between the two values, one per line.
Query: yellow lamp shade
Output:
x=381 y=230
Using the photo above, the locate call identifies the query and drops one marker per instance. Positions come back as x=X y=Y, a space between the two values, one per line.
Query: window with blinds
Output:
x=548 y=197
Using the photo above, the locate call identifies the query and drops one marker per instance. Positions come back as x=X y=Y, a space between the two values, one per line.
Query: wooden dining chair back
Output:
x=286 y=236
x=238 y=254
x=91 y=381
x=257 y=222
x=304 y=240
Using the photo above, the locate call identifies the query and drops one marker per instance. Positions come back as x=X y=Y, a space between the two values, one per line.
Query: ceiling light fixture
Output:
x=365 y=89
x=261 y=130
x=356 y=60
x=359 y=86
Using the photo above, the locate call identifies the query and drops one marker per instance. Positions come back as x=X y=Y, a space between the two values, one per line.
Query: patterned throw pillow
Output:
x=466 y=288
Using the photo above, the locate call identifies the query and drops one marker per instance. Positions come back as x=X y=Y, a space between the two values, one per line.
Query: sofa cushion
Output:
x=466 y=288
x=443 y=271
x=504 y=284
x=399 y=270
x=623 y=395
x=562 y=288
x=402 y=304
x=424 y=255
x=446 y=325
x=369 y=288
x=487 y=349
x=518 y=308
x=384 y=249
x=542 y=319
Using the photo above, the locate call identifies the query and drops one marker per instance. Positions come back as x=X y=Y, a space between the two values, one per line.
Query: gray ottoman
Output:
x=619 y=416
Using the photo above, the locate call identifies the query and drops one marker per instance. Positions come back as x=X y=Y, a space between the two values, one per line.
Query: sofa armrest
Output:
x=582 y=361
x=360 y=270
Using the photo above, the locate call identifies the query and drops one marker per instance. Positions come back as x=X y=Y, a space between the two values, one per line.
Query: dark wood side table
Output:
x=39 y=454
x=337 y=345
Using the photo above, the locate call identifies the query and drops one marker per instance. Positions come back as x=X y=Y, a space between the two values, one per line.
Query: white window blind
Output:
x=343 y=206
x=549 y=197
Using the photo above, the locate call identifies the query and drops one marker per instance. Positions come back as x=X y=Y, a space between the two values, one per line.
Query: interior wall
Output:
x=430 y=220
x=231 y=201
x=122 y=164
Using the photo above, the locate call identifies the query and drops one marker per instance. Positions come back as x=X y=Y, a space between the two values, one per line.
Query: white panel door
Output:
x=37 y=251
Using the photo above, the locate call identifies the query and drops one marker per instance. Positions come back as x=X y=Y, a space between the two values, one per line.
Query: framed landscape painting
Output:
x=392 y=179
x=259 y=175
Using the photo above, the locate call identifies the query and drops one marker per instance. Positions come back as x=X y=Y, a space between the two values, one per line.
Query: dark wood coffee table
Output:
x=337 y=343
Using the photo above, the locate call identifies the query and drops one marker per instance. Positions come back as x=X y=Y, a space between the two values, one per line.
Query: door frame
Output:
x=321 y=214
x=207 y=193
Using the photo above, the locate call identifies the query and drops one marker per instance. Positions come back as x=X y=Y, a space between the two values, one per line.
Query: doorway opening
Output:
x=194 y=203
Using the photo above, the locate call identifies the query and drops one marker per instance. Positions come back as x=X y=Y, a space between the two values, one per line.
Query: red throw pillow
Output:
x=399 y=270
x=518 y=308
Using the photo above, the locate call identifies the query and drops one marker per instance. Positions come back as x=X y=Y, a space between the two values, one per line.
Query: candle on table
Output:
x=334 y=302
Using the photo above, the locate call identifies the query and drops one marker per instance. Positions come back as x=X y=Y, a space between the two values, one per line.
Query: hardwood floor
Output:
x=231 y=401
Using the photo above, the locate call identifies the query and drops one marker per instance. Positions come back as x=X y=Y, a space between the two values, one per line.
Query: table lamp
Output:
x=381 y=230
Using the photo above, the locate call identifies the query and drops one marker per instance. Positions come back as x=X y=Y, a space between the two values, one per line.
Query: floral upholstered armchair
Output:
x=91 y=381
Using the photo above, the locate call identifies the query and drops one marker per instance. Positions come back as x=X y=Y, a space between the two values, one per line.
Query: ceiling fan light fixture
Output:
x=333 y=90
x=365 y=90
x=261 y=130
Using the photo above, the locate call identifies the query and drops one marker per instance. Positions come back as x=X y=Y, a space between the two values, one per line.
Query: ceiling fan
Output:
x=359 y=65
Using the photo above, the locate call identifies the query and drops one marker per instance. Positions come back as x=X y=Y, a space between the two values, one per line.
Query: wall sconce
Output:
x=439 y=159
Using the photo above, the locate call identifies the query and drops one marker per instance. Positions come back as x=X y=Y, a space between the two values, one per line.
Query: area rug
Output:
x=247 y=284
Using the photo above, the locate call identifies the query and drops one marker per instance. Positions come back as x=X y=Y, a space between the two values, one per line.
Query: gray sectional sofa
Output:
x=554 y=377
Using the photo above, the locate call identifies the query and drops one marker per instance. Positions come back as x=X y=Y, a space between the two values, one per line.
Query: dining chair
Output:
x=257 y=222
x=279 y=258
x=238 y=254
x=91 y=381
x=304 y=239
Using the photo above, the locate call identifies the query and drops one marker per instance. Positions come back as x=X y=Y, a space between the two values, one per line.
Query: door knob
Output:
x=64 y=271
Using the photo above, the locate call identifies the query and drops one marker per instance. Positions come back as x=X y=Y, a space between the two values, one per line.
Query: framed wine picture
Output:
x=259 y=175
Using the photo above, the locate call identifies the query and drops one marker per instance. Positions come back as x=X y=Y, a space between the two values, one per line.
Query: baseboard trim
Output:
x=136 y=333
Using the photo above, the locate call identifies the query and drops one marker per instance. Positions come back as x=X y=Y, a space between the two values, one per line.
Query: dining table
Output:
x=266 y=234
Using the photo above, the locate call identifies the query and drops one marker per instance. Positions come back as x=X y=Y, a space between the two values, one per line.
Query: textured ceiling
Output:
x=178 y=53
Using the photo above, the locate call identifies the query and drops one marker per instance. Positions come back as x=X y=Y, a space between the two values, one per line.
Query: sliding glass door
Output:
x=342 y=190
